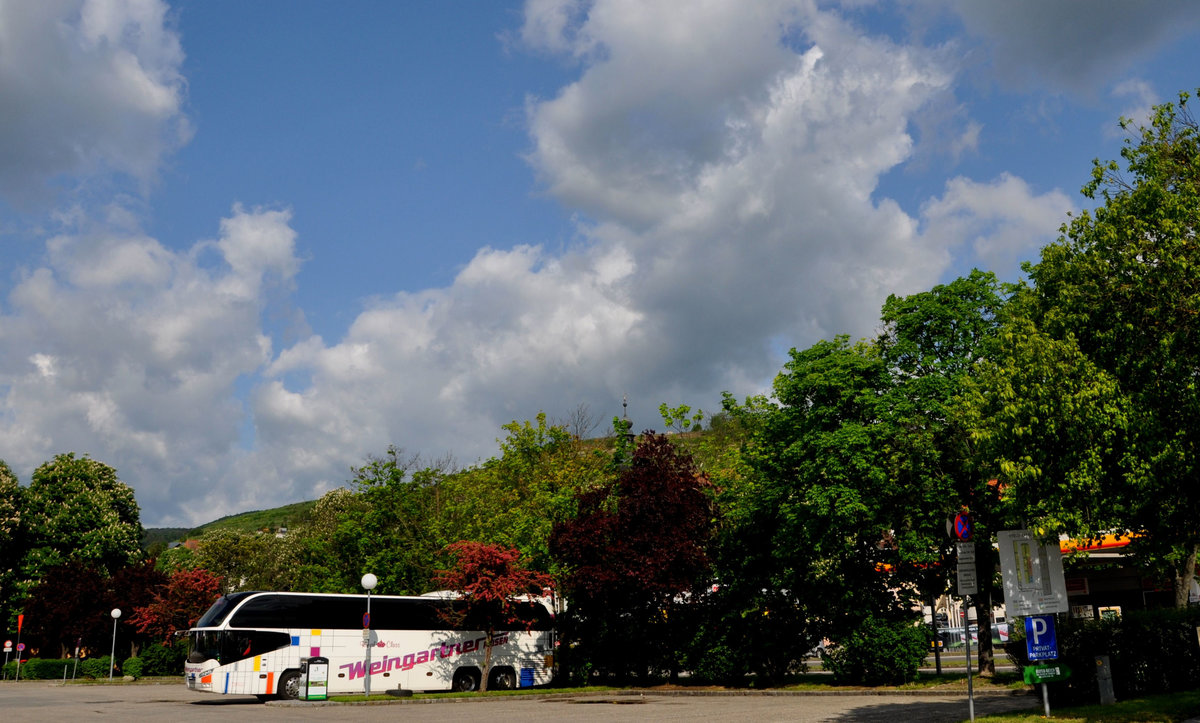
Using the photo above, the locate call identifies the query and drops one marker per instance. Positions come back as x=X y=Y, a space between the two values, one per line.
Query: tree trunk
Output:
x=1183 y=578
x=985 y=567
x=487 y=662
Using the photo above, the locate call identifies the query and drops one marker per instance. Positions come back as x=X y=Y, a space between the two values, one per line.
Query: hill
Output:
x=253 y=521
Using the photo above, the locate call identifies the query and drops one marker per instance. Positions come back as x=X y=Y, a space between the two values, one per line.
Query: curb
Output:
x=955 y=694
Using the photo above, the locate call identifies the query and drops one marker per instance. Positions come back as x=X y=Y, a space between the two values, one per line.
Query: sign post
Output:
x=967 y=641
x=20 y=645
x=1041 y=643
x=963 y=530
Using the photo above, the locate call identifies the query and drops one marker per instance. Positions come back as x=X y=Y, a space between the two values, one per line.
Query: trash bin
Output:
x=526 y=677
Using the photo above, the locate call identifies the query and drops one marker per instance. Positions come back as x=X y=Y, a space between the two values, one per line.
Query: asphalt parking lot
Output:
x=54 y=701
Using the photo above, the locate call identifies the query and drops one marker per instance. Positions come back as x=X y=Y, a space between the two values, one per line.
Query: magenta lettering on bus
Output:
x=408 y=661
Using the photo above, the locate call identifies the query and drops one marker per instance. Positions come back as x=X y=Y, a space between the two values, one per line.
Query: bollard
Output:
x=1104 y=680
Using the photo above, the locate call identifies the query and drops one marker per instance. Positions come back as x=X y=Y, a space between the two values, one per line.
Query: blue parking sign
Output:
x=1040 y=641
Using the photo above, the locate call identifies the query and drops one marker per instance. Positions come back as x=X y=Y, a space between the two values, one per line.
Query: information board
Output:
x=1033 y=574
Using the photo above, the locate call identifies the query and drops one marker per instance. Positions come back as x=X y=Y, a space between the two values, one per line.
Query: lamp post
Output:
x=369 y=582
x=112 y=657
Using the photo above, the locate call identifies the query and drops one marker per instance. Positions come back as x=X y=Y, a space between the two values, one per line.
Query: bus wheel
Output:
x=502 y=679
x=465 y=680
x=289 y=685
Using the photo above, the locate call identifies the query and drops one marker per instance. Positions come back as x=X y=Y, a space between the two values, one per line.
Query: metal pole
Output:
x=369 y=581
x=112 y=657
x=1046 y=698
x=967 y=640
x=367 y=638
x=937 y=641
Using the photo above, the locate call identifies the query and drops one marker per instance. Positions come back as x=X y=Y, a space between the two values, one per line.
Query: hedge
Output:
x=1149 y=651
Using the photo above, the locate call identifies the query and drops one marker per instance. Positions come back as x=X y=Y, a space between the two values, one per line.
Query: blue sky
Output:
x=247 y=244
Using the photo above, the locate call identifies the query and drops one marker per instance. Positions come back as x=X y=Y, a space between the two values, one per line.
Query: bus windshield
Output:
x=220 y=609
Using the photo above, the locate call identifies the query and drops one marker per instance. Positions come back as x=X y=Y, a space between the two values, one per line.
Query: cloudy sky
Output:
x=243 y=245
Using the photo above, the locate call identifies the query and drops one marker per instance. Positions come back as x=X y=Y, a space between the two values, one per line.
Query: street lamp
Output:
x=369 y=582
x=112 y=657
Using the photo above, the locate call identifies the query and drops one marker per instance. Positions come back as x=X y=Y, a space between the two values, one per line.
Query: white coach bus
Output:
x=253 y=643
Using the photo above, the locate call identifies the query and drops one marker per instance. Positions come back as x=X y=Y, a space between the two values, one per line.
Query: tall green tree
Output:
x=394 y=535
x=1123 y=283
x=515 y=499
x=821 y=509
x=244 y=560
x=934 y=343
x=77 y=509
x=11 y=546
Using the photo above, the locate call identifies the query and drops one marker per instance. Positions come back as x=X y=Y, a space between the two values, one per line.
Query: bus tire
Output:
x=503 y=678
x=289 y=685
x=465 y=680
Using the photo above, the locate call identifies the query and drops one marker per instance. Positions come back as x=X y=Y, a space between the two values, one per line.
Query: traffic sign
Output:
x=1035 y=674
x=968 y=581
x=1040 y=639
x=962 y=526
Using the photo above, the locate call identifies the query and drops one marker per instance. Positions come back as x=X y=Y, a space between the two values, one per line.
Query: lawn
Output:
x=1153 y=709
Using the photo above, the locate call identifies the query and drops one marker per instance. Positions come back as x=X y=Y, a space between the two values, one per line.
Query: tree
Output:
x=11 y=546
x=934 y=344
x=488 y=580
x=681 y=418
x=515 y=499
x=68 y=604
x=177 y=605
x=1122 y=283
x=396 y=530
x=76 y=509
x=241 y=559
x=634 y=552
x=133 y=587
x=323 y=548
x=823 y=502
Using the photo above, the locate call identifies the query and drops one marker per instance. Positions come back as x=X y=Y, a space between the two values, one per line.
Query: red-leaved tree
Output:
x=635 y=551
x=490 y=579
x=187 y=595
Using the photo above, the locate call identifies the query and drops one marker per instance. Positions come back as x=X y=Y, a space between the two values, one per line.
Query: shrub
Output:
x=95 y=667
x=164 y=659
x=38 y=669
x=879 y=653
x=132 y=666
x=1149 y=651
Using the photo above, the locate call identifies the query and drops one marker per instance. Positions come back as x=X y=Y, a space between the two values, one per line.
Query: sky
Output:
x=246 y=245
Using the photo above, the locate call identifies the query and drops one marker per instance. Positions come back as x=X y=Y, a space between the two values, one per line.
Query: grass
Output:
x=1166 y=708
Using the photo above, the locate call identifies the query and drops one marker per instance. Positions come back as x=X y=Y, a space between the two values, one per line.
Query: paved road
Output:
x=40 y=701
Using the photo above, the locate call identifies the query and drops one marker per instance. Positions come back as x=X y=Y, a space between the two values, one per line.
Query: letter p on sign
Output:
x=1040 y=639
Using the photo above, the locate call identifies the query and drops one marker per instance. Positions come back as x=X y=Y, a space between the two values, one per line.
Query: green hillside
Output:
x=255 y=520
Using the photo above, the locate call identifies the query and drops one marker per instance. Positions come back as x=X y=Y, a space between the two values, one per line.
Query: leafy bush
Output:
x=879 y=653
x=1149 y=651
x=95 y=667
x=39 y=669
x=164 y=659
x=133 y=667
